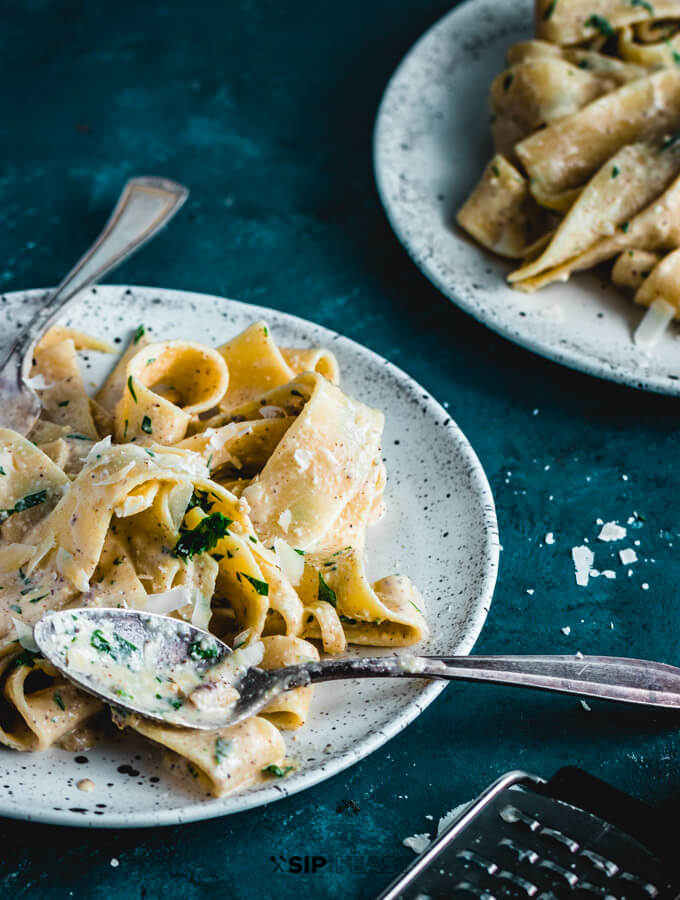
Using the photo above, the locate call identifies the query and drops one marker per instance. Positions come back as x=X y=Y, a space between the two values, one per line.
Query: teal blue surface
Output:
x=265 y=109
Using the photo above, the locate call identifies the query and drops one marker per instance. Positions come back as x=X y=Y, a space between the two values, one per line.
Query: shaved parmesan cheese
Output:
x=272 y=412
x=303 y=459
x=285 y=519
x=611 y=532
x=113 y=477
x=291 y=562
x=653 y=324
x=202 y=613
x=417 y=842
x=38 y=383
x=25 y=635
x=451 y=815
x=98 y=448
x=167 y=601
x=583 y=558
x=609 y=573
x=549 y=538
x=627 y=556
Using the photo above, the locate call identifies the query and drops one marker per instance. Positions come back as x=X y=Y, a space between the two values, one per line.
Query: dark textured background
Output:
x=265 y=109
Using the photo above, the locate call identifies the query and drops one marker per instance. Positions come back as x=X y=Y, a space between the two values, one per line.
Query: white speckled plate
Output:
x=432 y=140
x=440 y=528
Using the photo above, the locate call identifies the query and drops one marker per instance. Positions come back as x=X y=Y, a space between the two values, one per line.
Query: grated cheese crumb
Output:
x=627 y=556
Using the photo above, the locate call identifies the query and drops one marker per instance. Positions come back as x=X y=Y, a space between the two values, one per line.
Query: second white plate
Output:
x=440 y=528
x=432 y=140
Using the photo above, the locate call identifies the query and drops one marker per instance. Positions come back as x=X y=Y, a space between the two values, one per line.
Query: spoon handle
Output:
x=603 y=677
x=145 y=205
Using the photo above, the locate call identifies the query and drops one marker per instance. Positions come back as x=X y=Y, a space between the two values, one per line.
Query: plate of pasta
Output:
x=528 y=157
x=258 y=476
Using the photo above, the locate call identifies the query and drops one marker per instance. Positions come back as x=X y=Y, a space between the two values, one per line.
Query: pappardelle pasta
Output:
x=586 y=126
x=229 y=487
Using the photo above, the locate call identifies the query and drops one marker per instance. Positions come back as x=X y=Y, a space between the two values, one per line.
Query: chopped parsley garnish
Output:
x=675 y=56
x=549 y=10
x=615 y=171
x=644 y=4
x=295 y=393
x=146 y=425
x=253 y=539
x=222 y=749
x=326 y=593
x=126 y=647
x=299 y=552
x=2 y=471
x=416 y=607
x=27 y=658
x=175 y=703
x=261 y=587
x=152 y=360
x=273 y=769
x=507 y=81
x=202 y=499
x=15 y=607
x=78 y=437
x=131 y=388
x=23 y=504
x=139 y=334
x=203 y=537
x=496 y=171
x=603 y=25
x=624 y=226
x=266 y=331
x=58 y=700
x=119 y=692
x=63 y=403
x=198 y=651
x=99 y=642
x=38 y=599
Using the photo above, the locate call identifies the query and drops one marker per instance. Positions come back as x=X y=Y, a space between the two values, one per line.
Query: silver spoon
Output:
x=144 y=207
x=162 y=645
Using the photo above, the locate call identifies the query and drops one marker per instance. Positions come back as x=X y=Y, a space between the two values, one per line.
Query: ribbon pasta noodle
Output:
x=229 y=487
x=586 y=126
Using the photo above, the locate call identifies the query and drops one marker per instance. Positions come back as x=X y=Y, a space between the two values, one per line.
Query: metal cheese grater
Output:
x=571 y=837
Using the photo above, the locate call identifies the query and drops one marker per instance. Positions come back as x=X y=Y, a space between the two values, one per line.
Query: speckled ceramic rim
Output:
x=571 y=356
x=489 y=553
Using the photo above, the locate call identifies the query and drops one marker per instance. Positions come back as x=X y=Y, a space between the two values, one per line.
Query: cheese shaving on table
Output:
x=611 y=531
x=628 y=556
x=583 y=558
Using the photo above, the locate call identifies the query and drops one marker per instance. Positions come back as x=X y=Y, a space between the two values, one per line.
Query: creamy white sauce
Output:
x=196 y=689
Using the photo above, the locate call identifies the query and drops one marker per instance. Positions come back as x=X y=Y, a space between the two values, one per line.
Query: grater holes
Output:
x=517 y=851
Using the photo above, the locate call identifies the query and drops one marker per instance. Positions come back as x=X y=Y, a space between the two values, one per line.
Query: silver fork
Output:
x=144 y=207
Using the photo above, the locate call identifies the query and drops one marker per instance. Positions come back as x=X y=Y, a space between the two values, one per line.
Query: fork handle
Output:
x=603 y=677
x=144 y=207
